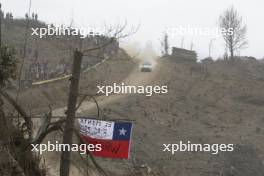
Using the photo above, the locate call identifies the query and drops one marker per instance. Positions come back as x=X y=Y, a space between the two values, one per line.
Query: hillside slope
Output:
x=219 y=103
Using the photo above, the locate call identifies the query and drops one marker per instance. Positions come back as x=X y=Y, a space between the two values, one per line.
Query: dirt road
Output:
x=136 y=78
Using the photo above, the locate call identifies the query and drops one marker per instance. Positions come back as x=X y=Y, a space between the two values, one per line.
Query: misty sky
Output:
x=154 y=16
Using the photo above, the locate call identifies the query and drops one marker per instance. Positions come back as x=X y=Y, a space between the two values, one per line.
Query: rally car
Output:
x=146 y=67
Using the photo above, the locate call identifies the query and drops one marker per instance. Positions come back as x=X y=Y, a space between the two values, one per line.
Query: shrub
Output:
x=7 y=65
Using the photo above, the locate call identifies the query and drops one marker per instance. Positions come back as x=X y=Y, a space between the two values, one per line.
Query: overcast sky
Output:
x=154 y=16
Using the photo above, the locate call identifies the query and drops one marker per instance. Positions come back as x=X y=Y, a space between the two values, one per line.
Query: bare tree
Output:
x=235 y=31
x=165 y=45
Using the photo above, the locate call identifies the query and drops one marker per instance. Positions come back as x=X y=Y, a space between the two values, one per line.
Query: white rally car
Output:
x=146 y=67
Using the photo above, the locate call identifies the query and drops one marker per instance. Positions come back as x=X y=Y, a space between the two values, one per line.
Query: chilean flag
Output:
x=114 y=137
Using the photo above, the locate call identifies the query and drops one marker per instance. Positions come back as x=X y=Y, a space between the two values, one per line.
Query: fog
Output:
x=154 y=17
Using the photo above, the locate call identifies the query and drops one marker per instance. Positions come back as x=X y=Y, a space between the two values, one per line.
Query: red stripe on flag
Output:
x=110 y=148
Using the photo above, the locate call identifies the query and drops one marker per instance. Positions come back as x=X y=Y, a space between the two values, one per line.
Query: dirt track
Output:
x=135 y=78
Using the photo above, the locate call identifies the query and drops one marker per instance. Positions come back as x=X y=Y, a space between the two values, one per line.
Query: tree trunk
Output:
x=69 y=124
x=232 y=53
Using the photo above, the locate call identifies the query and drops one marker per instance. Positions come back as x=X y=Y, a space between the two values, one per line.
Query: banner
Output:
x=114 y=137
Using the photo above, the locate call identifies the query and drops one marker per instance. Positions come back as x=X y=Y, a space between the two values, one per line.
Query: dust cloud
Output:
x=145 y=54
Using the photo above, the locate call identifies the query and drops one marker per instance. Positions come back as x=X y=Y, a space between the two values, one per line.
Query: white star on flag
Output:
x=122 y=132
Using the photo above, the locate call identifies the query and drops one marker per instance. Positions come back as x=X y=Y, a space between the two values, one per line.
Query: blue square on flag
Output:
x=122 y=131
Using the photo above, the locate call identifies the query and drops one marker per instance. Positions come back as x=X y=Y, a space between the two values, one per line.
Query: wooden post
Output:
x=69 y=124
x=0 y=25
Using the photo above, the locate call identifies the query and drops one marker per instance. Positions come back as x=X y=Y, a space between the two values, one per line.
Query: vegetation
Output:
x=235 y=38
x=16 y=158
x=8 y=65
